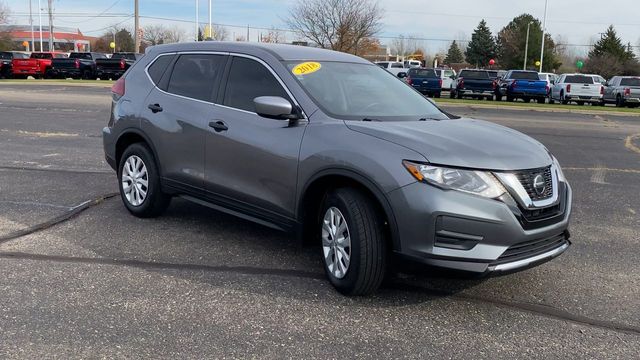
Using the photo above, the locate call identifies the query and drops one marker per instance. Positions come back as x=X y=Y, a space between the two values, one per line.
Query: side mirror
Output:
x=402 y=75
x=274 y=107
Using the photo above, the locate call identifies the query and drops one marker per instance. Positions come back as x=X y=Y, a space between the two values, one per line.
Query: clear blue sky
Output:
x=578 y=21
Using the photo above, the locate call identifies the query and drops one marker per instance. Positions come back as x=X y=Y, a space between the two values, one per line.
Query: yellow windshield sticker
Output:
x=306 y=68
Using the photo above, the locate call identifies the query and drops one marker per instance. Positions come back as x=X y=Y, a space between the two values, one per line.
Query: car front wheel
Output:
x=353 y=242
x=139 y=182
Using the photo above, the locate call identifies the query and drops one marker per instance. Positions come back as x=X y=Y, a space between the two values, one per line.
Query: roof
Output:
x=280 y=51
x=59 y=33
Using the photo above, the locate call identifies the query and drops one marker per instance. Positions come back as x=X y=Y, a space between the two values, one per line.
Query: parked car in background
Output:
x=522 y=84
x=425 y=81
x=6 y=62
x=336 y=151
x=37 y=65
x=116 y=65
x=394 y=67
x=79 y=65
x=447 y=76
x=410 y=64
x=623 y=91
x=576 y=87
x=496 y=74
x=473 y=83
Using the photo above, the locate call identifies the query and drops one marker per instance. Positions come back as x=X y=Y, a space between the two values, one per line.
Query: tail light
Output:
x=568 y=88
x=122 y=64
x=627 y=91
x=77 y=64
x=118 y=89
x=461 y=83
x=440 y=82
x=514 y=84
x=409 y=81
x=494 y=84
x=547 y=88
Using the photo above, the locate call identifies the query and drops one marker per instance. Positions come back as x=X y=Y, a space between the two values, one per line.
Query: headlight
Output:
x=560 y=173
x=470 y=181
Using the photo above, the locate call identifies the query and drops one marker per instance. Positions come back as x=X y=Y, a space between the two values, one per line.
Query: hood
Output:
x=467 y=143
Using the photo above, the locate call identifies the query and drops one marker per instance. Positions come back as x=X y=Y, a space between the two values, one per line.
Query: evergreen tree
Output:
x=512 y=43
x=454 y=55
x=610 y=44
x=482 y=46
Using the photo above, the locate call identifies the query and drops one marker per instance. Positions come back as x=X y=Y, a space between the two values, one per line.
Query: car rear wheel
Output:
x=353 y=242
x=139 y=182
x=581 y=103
x=527 y=100
x=510 y=98
x=551 y=101
x=563 y=100
x=619 y=101
x=541 y=100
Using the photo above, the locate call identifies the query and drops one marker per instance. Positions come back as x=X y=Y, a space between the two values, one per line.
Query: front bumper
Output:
x=454 y=230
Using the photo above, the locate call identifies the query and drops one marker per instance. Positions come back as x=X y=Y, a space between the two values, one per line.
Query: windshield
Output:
x=80 y=56
x=522 y=75
x=474 y=74
x=630 y=82
x=423 y=73
x=578 y=79
x=5 y=56
x=41 y=56
x=352 y=91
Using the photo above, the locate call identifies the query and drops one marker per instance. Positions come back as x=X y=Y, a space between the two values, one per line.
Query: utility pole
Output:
x=197 y=20
x=544 y=29
x=526 y=48
x=51 y=39
x=210 y=23
x=137 y=26
x=40 y=17
x=33 y=40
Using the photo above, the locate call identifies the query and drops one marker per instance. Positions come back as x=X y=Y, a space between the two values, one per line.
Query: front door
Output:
x=250 y=160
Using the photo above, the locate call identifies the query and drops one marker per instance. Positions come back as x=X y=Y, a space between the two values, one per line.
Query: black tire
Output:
x=86 y=75
x=490 y=98
x=551 y=101
x=619 y=101
x=541 y=100
x=510 y=98
x=527 y=100
x=368 y=258
x=498 y=96
x=437 y=95
x=155 y=202
x=563 y=100
x=581 y=103
x=458 y=95
x=452 y=94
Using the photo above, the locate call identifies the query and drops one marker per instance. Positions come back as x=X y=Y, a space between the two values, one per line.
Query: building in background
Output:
x=64 y=39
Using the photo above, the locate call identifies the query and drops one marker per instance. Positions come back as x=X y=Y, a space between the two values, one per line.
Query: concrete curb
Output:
x=519 y=108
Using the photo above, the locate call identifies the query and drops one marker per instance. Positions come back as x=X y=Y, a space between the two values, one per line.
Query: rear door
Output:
x=251 y=161
x=177 y=112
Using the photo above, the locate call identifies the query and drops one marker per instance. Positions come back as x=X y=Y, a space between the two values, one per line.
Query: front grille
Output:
x=531 y=248
x=527 y=177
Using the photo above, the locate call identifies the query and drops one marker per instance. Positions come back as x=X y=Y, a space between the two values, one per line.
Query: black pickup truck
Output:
x=79 y=65
x=473 y=83
x=117 y=65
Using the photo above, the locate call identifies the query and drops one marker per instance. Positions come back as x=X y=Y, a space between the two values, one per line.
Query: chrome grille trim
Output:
x=512 y=183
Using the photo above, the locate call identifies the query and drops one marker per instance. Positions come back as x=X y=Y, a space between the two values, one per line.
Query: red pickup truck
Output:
x=36 y=65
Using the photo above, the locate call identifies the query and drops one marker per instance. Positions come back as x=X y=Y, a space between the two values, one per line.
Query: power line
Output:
x=96 y=16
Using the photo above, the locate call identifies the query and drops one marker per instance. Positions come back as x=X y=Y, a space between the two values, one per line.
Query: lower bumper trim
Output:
x=528 y=261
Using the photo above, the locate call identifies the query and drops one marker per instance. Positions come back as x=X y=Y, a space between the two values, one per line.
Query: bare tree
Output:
x=154 y=34
x=274 y=36
x=4 y=13
x=174 y=34
x=404 y=45
x=220 y=33
x=336 y=24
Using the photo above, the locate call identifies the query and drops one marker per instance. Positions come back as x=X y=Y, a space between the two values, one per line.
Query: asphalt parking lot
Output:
x=82 y=278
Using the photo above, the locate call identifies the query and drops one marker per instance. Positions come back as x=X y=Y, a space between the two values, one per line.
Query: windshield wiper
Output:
x=429 y=118
x=371 y=119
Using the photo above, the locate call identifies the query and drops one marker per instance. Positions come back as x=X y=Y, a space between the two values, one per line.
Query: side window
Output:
x=197 y=76
x=158 y=68
x=248 y=79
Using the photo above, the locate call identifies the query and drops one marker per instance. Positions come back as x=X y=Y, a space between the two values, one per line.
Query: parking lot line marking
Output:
x=631 y=171
x=628 y=143
x=34 y=203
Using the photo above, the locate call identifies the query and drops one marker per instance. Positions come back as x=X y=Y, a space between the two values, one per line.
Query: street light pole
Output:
x=210 y=24
x=197 y=20
x=40 y=17
x=526 y=48
x=33 y=40
x=544 y=29
x=137 y=26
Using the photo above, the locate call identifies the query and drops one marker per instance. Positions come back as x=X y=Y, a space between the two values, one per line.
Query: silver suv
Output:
x=338 y=151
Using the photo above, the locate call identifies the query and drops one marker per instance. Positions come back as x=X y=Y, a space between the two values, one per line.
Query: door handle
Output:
x=155 y=108
x=218 y=126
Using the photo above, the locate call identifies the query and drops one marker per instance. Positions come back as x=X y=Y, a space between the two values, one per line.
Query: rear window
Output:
x=158 y=68
x=197 y=76
x=80 y=56
x=474 y=74
x=522 y=75
x=630 y=82
x=492 y=74
x=383 y=64
x=428 y=73
x=578 y=79
x=5 y=56
x=41 y=56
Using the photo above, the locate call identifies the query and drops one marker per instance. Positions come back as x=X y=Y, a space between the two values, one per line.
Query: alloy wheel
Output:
x=135 y=180
x=336 y=243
